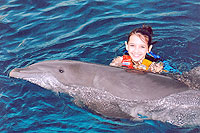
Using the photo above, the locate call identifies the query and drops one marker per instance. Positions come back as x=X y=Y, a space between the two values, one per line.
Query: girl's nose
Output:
x=136 y=49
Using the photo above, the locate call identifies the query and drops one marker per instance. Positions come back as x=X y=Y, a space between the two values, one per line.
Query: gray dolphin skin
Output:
x=114 y=92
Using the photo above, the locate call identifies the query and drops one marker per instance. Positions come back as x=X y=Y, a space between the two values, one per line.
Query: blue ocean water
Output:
x=85 y=30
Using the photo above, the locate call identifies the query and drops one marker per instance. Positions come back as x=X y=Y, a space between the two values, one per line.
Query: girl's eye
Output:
x=142 y=46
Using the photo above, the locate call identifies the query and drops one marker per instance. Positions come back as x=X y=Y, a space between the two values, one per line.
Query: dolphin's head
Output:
x=56 y=74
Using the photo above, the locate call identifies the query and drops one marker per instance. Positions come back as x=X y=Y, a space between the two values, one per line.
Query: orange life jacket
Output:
x=127 y=62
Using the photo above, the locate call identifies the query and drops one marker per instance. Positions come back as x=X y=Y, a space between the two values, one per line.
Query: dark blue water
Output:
x=85 y=30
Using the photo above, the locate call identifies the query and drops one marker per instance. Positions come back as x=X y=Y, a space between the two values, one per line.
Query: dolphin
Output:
x=111 y=91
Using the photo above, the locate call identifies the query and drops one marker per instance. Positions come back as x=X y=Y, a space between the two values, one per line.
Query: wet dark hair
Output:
x=146 y=31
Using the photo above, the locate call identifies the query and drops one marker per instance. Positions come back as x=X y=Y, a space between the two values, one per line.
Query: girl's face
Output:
x=137 y=48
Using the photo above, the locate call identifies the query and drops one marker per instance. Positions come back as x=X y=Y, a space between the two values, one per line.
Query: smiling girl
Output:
x=138 y=55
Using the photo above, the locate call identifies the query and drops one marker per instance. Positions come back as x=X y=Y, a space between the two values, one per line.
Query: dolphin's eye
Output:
x=61 y=71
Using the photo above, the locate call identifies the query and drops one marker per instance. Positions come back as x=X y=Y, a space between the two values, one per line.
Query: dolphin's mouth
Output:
x=15 y=73
x=21 y=73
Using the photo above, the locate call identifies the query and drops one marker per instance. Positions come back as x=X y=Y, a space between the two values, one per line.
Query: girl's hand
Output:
x=156 y=67
x=117 y=62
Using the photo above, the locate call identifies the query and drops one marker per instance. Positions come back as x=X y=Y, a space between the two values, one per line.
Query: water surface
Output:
x=85 y=30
